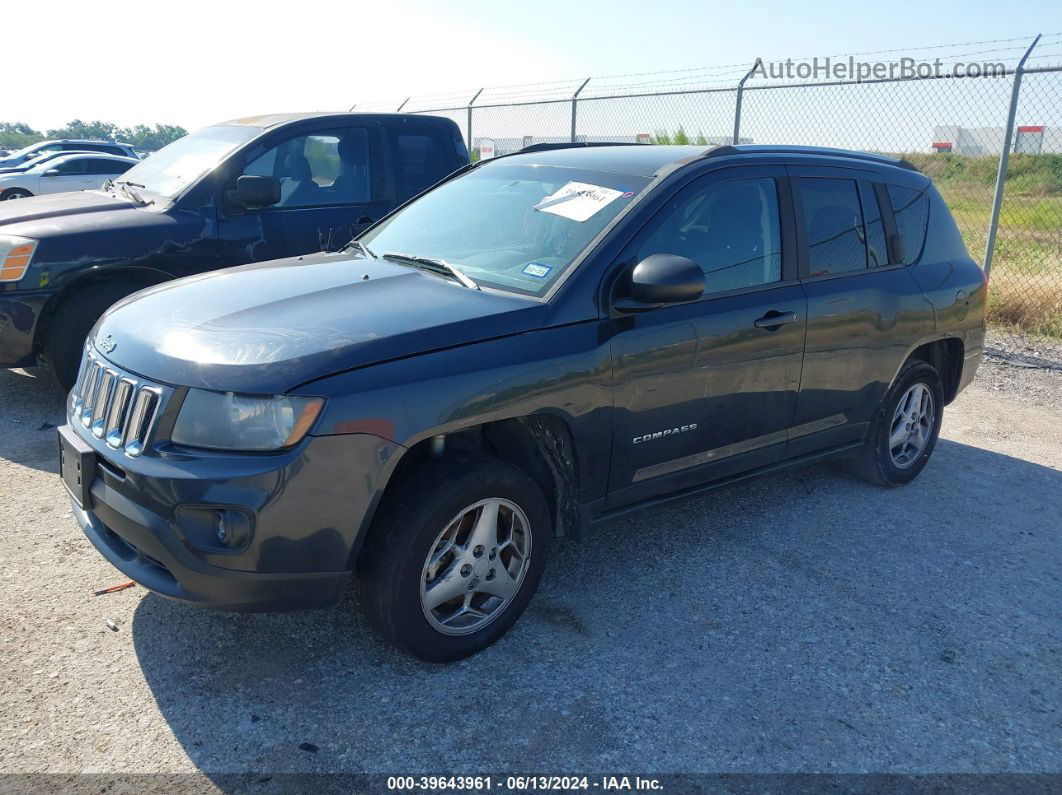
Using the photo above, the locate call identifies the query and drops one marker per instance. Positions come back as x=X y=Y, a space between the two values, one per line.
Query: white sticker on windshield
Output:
x=578 y=201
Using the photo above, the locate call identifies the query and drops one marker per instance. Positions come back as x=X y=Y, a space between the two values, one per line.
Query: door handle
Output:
x=775 y=319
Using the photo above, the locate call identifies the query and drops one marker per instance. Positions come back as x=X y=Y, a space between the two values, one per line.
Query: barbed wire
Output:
x=706 y=77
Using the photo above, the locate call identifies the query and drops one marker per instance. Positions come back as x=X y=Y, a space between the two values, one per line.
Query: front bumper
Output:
x=307 y=510
x=19 y=312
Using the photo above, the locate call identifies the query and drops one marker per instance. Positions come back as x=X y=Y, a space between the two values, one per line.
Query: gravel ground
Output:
x=803 y=622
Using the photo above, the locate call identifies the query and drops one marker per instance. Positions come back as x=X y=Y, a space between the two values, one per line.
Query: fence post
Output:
x=469 y=144
x=575 y=99
x=737 y=102
x=1004 y=158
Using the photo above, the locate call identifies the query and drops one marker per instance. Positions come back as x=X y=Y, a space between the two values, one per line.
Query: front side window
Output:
x=730 y=229
x=509 y=226
x=76 y=166
x=833 y=222
x=329 y=167
x=112 y=167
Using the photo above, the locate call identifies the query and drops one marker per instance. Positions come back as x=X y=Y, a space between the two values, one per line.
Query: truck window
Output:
x=421 y=160
x=321 y=168
x=877 y=251
x=833 y=222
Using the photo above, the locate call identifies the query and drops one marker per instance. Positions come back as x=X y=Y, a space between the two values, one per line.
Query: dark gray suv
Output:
x=540 y=342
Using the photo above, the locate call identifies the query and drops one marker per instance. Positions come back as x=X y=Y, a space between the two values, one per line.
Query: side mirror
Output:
x=663 y=279
x=51 y=172
x=254 y=191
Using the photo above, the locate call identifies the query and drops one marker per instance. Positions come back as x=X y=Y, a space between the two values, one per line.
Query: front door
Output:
x=68 y=175
x=707 y=389
x=331 y=189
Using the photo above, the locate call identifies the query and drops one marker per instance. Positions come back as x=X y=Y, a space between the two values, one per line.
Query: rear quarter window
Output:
x=910 y=206
x=944 y=241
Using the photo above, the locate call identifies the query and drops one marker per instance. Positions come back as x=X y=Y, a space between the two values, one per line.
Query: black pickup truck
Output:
x=242 y=191
x=540 y=342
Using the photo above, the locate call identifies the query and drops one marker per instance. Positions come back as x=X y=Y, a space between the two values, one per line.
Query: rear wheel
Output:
x=15 y=193
x=455 y=557
x=904 y=432
x=71 y=322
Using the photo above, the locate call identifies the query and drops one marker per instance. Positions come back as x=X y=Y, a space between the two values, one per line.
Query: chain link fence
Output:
x=959 y=130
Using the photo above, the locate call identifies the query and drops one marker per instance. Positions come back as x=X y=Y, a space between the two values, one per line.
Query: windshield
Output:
x=173 y=168
x=22 y=155
x=509 y=226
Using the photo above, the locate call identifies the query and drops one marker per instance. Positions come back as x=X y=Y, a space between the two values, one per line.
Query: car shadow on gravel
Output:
x=31 y=405
x=805 y=621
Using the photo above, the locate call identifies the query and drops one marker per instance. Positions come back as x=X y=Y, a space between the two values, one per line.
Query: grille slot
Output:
x=118 y=408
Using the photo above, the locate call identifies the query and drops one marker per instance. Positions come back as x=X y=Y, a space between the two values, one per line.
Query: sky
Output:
x=193 y=62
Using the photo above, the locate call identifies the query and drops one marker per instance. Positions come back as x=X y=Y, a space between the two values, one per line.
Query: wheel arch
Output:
x=946 y=356
x=542 y=445
x=139 y=275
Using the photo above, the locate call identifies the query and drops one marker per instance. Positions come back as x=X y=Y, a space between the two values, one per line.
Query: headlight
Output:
x=15 y=256
x=227 y=421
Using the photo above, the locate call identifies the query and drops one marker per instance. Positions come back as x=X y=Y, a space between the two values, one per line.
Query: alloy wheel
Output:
x=475 y=566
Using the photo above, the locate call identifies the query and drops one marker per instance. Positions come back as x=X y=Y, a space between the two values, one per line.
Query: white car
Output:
x=64 y=174
x=66 y=145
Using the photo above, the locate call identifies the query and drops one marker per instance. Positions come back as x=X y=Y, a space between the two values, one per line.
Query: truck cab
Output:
x=243 y=191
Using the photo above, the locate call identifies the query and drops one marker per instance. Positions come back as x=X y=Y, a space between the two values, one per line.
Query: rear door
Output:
x=864 y=312
x=333 y=184
x=708 y=389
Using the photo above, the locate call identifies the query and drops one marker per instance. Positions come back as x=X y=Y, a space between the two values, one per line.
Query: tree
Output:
x=680 y=137
x=15 y=135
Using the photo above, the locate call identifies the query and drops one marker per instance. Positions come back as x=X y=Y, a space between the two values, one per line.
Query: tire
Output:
x=435 y=506
x=72 y=320
x=884 y=460
x=15 y=193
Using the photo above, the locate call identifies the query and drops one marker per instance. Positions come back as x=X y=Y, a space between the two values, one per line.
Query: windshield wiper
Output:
x=127 y=189
x=362 y=247
x=436 y=265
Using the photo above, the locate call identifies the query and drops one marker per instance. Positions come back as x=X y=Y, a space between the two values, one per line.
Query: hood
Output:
x=267 y=328
x=45 y=208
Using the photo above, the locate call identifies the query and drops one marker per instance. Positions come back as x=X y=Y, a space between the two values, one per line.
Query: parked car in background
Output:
x=67 y=145
x=36 y=161
x=64 y=174
x=546 y=340
x=242 y=191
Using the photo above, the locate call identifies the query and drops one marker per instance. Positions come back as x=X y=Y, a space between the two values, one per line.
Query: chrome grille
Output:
x=116 y=407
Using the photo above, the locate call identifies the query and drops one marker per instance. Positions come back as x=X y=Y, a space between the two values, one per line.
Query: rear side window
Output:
x=422 y=160
x=877 y=251
x=911 y=208
x=833 y=222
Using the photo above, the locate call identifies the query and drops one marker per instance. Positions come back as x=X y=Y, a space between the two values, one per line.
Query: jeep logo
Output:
x=107 y=344
x=661 y=434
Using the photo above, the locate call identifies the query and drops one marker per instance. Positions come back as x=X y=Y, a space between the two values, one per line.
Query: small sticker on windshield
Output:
x=578 y=201
x=537 y=270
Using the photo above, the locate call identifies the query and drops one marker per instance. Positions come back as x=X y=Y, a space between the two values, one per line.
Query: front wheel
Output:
x=905 y=429
x=15 y=193
x=455 y=557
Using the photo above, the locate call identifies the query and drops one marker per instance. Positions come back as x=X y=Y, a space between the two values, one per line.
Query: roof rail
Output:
x=762 y=149
x=571 y=145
